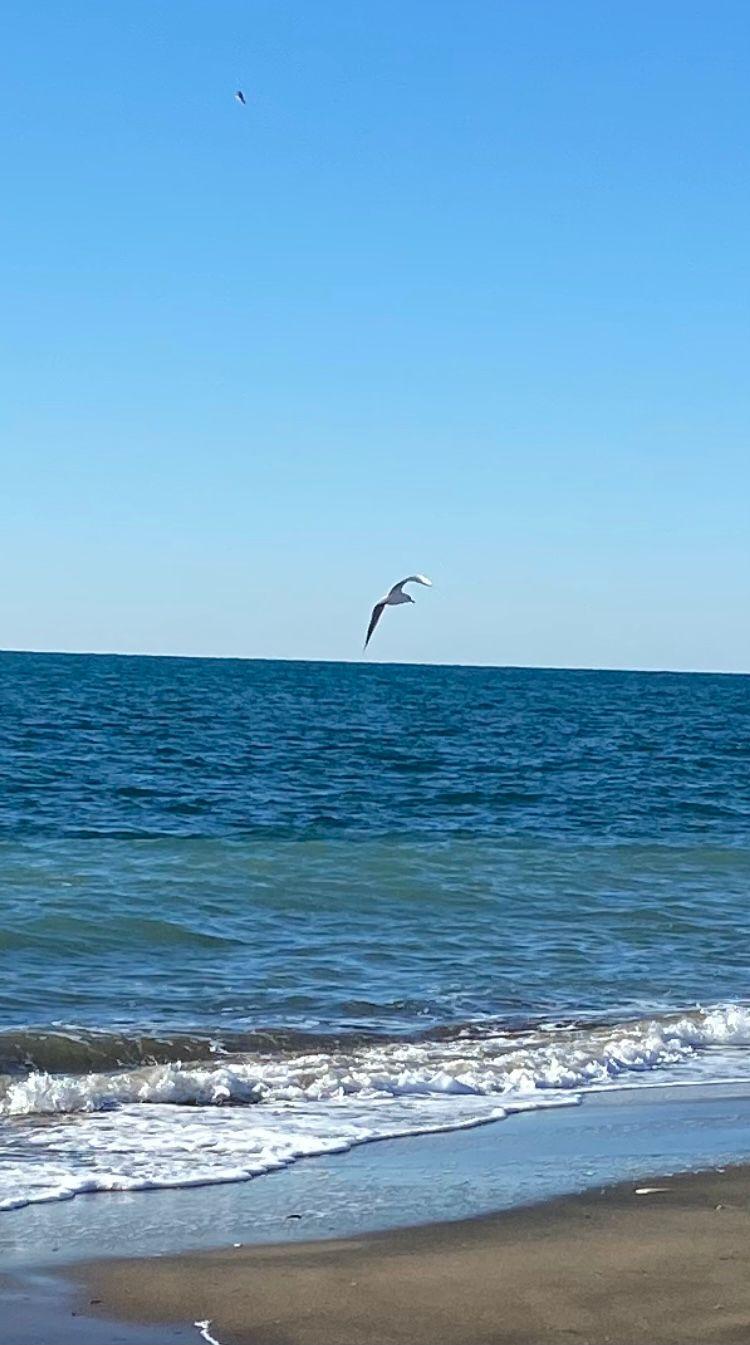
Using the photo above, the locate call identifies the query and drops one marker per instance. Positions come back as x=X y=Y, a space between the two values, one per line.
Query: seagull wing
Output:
x=240 y=96
x=377 y=612
x=411 y=579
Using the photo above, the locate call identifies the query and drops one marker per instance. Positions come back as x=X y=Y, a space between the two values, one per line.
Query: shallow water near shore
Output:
x=611 y=1137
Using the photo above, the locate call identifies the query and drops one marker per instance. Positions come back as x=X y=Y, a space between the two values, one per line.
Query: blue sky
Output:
x=463 y=289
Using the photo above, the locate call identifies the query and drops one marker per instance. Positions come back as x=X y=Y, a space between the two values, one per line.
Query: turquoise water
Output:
x=369 y=899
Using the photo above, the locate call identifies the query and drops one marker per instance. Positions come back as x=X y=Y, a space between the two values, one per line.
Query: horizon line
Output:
x=381 y=663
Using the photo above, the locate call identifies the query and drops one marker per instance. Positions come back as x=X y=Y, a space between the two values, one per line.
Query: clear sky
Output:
x=464 y=289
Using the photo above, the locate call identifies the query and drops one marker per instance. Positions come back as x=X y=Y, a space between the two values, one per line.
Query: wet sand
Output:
x=607 y=1266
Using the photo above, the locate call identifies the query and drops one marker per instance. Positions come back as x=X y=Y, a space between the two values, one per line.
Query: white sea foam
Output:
x=242 y=1116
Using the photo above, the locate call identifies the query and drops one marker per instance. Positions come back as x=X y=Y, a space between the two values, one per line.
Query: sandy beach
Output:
x=607 y=1266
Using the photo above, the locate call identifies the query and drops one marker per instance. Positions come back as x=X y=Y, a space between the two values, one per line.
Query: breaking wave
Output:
x=488 y=1064
x=226 y=1117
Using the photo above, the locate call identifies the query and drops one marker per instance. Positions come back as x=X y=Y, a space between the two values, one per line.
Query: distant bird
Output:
x=394 y=598
x=241 y=97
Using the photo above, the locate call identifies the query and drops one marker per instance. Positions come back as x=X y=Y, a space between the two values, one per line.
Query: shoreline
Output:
x=667 y=1267
x=480 y=1230
x=611 y=1136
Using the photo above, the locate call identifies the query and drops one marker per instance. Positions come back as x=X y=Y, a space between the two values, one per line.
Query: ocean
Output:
x=255 y=911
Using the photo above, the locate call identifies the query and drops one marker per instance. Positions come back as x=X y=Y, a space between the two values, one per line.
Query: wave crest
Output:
x=492 y=1064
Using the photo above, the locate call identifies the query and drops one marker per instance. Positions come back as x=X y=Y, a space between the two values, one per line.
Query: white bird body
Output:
x=394 y=598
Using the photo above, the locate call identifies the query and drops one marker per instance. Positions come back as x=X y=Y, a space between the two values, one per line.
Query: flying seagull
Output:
x=394 y=598
x=240 y=97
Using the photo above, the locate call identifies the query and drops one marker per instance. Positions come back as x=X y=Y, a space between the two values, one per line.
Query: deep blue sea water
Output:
x=251 y=910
